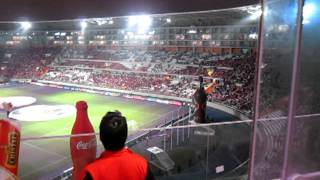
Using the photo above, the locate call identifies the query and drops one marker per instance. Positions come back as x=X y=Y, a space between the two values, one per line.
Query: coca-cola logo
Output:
x=83 y=145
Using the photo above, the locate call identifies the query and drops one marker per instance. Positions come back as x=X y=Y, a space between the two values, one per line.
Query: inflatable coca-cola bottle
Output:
x=200 y=101
x=9 y=149
x=83 y=148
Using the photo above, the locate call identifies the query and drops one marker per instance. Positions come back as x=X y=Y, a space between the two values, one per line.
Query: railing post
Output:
x=171 y=135
x=189 y=119
x=183 y=130
x=164 y=139
x=207 y=156
x=178 y=134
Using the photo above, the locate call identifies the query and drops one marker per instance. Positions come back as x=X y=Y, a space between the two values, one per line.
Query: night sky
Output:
x=17 y=10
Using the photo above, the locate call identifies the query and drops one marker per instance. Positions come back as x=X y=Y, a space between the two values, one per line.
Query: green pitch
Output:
x=141 y=112
x=41 y=157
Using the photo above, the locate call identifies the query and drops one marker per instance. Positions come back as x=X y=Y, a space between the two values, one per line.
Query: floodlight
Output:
x=132 y=21
x=308 y=11
x=192 y=31
x=253 y=36
x=168 y=20
x=83 y=25
x=254 y=11
x=145 y=21
x=111 y=22
x=100 y=22
x=255 y=14
x=142 y=23
x=26 y=25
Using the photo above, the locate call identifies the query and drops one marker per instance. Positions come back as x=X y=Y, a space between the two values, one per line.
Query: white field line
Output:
x=43 y=150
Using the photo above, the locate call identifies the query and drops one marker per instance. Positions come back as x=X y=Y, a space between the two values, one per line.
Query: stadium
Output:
x=255 y=67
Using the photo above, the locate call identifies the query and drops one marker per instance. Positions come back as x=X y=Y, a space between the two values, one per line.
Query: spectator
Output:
x=155 y=71
x=117 y=162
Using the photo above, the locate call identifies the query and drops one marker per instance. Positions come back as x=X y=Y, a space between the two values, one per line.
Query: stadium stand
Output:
x=172 y=73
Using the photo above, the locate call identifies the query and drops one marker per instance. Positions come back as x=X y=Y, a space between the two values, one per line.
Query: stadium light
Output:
x=255 y=14
x=26 y=25
x=168 y=20
x=253 y=36
x=192 y=31
x=132 y=21
x=83 y=25
x=142 y=23
x=111 y=22
x=100 y=22
x=308 y=11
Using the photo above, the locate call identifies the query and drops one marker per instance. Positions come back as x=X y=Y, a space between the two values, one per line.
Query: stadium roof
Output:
x=36 y=10
x=230 y=16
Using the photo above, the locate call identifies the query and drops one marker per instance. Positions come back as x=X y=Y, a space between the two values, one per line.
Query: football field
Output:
x=40 y=158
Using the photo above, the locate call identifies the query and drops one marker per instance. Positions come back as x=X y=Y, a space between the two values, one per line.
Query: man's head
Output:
x=113 y=131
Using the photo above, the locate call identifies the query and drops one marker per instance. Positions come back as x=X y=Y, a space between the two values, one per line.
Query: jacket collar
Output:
x=108 y=153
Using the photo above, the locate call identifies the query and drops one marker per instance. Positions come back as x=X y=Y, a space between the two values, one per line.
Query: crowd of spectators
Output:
x=238 y=86
x=156 y=84
x=27 y=62
x=152 y=61
x=159 y=72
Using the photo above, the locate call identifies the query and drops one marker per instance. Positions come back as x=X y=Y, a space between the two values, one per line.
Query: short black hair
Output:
x=113 y=131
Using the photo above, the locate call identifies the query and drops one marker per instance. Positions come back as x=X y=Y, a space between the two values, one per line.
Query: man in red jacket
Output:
x=117 y=162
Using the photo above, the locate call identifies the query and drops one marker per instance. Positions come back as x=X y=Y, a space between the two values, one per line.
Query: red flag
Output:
x=210 y=89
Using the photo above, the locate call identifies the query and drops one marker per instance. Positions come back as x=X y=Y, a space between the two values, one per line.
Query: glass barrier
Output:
x=287 y=104
x=277 y=48
x=304 y=146
x=181 y=150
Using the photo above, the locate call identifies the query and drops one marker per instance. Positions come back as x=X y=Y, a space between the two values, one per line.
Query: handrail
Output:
x=131 y=142
x=311 y=175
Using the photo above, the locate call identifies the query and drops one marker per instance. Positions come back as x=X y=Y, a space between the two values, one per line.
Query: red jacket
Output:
x=118 y=165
